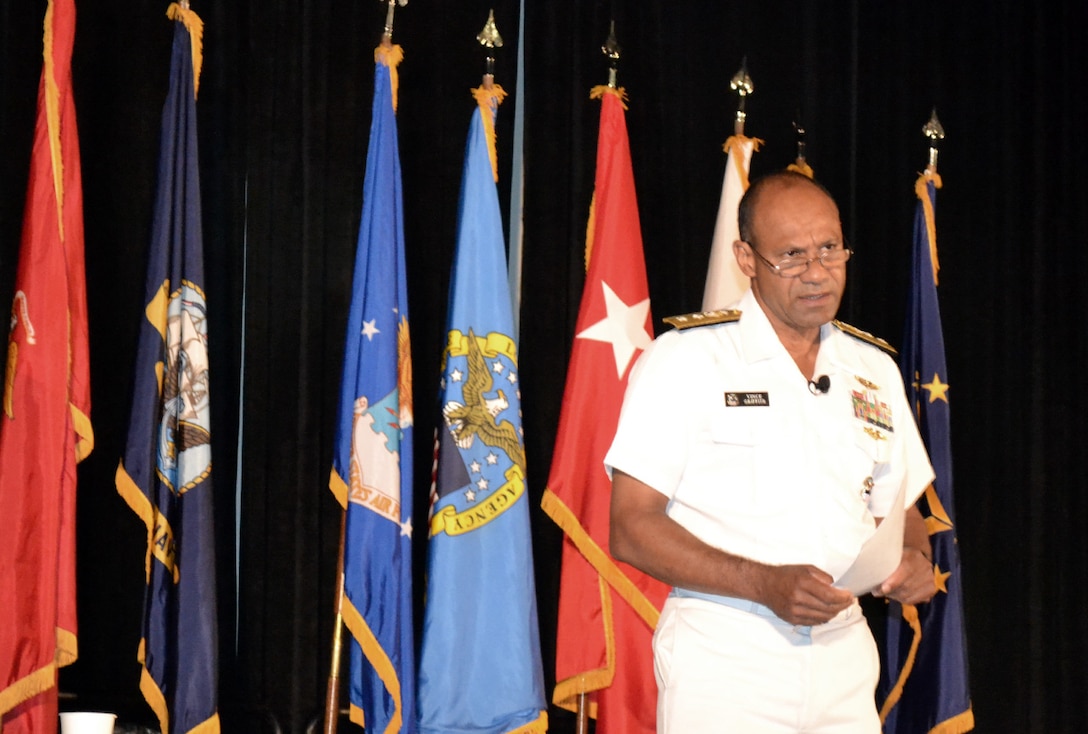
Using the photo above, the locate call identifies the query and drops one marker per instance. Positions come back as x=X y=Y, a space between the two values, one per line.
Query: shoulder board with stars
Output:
x=703 y=318
x=865 y=336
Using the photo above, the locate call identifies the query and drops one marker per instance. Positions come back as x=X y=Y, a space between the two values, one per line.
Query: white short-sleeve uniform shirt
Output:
x=720 y=420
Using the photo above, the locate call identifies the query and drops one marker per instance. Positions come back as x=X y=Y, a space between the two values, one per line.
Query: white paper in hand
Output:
x=879 y=556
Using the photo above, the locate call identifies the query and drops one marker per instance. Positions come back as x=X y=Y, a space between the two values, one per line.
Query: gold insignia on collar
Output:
x=865 y=383
x=703 y=318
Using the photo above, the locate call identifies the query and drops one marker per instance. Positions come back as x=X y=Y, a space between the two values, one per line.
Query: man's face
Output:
x=795 y=220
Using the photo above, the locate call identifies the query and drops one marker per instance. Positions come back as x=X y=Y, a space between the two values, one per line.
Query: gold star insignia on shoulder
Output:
x=703 y=318
x=865 y=336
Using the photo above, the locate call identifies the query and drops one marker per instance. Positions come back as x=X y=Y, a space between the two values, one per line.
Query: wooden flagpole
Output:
x=332 y=686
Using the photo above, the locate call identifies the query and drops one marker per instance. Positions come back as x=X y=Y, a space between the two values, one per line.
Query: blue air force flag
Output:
x=372 y=466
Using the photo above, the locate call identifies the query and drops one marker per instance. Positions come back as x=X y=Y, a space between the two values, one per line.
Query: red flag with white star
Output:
x=607 y=609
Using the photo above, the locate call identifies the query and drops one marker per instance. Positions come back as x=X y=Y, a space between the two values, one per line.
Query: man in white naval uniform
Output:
x=754 y=456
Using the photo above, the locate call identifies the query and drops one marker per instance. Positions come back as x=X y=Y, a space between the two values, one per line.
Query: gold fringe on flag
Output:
x=958 y=724
x=81 y=424
x=921 y=190
x=195 y=26
x=734 y=144
x=590 y=228
x=52 y=115
x=910 y=616
x=390 y=55
x=800 y=166
x=489 y=99
x=961 y=723
x=610 y=577
x=383 y=666
x=537 y=726
x=601 y=89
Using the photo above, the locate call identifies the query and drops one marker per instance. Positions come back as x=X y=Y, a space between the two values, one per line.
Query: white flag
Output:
x=725 y=284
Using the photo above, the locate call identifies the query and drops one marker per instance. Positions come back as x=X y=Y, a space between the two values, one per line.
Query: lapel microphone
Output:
x=820 y=385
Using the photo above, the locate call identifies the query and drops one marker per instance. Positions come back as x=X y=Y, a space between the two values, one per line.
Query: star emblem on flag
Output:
x=624 y=328
x=937 y=389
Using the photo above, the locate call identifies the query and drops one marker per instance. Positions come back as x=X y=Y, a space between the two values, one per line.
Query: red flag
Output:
x=45 y=428
x=607 y=609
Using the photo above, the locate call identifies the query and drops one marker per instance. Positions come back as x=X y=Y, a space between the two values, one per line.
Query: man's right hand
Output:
x=802 y=594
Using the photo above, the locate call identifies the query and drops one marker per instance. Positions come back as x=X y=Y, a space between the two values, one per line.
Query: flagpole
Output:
x=800 y=165
x=516 y=238
x=332 y=685
x=799 y=131
x=489 y=38
x=611 y=49
x=935 y=132
x=925 y=681
x=725 y=283
x=741 y=83
x=480 y=615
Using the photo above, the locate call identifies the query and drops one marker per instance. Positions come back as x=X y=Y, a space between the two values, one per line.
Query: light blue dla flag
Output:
x=480 y=668
x=372 y=466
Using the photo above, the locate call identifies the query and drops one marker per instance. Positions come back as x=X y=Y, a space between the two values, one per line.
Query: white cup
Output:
x=86 y=722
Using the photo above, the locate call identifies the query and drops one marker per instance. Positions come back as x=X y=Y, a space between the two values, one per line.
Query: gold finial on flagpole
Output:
x=387 y=35
x=741 y=83
x=490 y=38
x=935 y=132
x=611 y=49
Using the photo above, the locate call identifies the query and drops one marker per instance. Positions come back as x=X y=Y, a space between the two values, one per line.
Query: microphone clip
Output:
x=820 y=385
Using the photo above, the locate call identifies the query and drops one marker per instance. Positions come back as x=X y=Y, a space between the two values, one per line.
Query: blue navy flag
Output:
x=480 y=668
x=165 y=475
x=924 y=680
x=372 y=465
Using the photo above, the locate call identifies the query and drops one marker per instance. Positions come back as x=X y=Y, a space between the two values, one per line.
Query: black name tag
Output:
x=741 y=399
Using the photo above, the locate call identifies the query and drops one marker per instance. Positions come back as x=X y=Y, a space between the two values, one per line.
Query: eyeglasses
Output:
x=791 y=267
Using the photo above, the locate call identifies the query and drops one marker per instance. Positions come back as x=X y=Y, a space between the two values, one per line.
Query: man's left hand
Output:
x=912 y=582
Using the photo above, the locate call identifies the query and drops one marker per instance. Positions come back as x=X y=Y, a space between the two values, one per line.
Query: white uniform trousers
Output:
x=736 y=667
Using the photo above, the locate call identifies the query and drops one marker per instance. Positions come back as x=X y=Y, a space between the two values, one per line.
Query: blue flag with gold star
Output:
x=480 y=669
x=924 y=677
x=166 y=473
x=372 y=463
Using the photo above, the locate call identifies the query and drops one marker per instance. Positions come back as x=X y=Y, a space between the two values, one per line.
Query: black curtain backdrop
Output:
x=284 y=117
